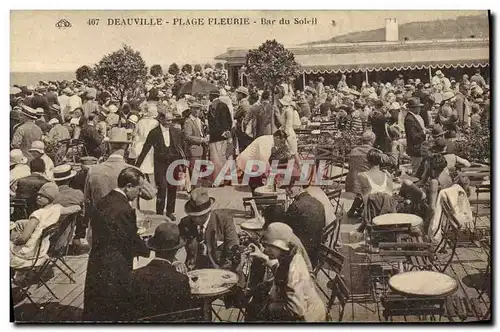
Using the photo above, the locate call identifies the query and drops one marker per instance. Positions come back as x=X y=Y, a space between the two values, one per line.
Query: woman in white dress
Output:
x=141 y=131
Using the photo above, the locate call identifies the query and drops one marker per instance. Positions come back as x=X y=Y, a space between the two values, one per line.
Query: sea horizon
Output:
x=32 y=78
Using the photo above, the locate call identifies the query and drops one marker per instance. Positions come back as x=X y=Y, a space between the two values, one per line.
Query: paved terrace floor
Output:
x=468 y=270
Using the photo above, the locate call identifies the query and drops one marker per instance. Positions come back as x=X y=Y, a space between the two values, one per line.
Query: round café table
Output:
x=423 y=284
x=397 y=218
x=268 y=191
x=209 y=285
x=252 y=225
x=147 y=223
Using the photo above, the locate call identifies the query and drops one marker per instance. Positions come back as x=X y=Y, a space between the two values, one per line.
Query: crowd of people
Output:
x=131 y=142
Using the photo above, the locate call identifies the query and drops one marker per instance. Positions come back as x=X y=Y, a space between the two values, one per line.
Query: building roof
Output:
x=461 y=27
x=382 y=55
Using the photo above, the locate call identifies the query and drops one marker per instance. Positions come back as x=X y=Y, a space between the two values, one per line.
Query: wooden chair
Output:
x=334 y=262
x=186 y=315
x=329 y=154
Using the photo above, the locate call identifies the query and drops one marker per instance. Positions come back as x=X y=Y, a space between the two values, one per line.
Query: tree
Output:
x=219 y=66
x=197 y=68
x=187 y=68
x=270 y=65
x=84 y=72
x=173 y=69
x=156 y=70
x=121 y=69
x=207 y=65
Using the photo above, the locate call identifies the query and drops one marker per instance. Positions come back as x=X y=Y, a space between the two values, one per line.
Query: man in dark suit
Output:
x=28 y=187
x=210 y=235
x=262 y=113
x=196 y=141
x=159 y=287
x=167 y=144
x=219 y=128
x=415 y=133
x=91 y=136
x=306 y=216
x=115 y=243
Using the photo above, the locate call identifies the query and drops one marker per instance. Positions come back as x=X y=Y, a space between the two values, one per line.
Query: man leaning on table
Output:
x=210 y=235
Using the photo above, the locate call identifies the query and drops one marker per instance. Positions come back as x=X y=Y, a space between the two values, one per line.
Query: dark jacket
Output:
x=27 y=189
x=162 y=154
x=219 y=121
x=115 y=243
x=220 y=228
x=264 y=114
x=39 y=101
x=415 y=135
x=93 y=139
x=306 y=217
x=158 y=289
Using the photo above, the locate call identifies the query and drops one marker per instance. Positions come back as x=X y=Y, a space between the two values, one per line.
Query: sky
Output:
x=36 y=44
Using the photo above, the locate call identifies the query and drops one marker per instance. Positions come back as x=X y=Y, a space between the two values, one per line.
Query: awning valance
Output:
x=399 y=60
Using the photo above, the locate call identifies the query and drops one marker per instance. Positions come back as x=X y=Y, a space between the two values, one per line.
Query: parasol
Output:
x=196 y=86
x=14 y=90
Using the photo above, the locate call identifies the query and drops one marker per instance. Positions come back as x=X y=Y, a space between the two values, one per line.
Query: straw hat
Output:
x=112 y=108
x=63 y=172
x=17 y=157
x=200 y=202
x=28 y=112
x=53 y=121
x=118 y=135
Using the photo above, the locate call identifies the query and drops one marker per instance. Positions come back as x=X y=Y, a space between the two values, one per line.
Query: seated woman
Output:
x=293 y=296
x=26 y=233
x=375 y=185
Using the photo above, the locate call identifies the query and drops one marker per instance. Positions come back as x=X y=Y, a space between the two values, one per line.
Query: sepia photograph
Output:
x=250 y=166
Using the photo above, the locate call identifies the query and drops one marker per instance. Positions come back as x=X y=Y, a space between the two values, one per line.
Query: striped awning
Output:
x=397 y=60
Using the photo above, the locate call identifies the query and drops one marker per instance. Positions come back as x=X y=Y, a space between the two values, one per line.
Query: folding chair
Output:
x=330 y=155
x=331 y=232
x=338 y=289
x=35 y=272
x=445 y=250
x=262 y=202
x=334 y=197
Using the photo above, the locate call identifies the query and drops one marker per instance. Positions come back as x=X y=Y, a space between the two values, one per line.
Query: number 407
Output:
x=93 y=21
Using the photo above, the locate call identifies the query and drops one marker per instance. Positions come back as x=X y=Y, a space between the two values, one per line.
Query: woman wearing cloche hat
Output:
x=293 y=296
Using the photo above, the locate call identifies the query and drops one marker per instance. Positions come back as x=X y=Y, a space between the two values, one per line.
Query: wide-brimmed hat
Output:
x=17 y=157
x=200 y=202
x=39 y=111
x=286 y=100
x=28 y=111
x=439 y=72
x=118 y=135
x=437 y=131
x=166 y=238
x=414 y=103
x=448 y=95
x=38 y=146
x=243 y=90
x=63 y=172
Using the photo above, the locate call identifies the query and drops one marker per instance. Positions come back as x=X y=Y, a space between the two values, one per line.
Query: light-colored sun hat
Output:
x=17 y=157
x=118 y=135
x=112 y=108
x=242 y=90
x=38 y=146
x=53 y=121
x=286 y=100
x=133 y=119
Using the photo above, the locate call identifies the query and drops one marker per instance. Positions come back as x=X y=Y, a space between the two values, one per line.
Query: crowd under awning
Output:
x=393 y=60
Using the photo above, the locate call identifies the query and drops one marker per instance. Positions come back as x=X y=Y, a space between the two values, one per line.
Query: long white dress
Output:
x=144 y=126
